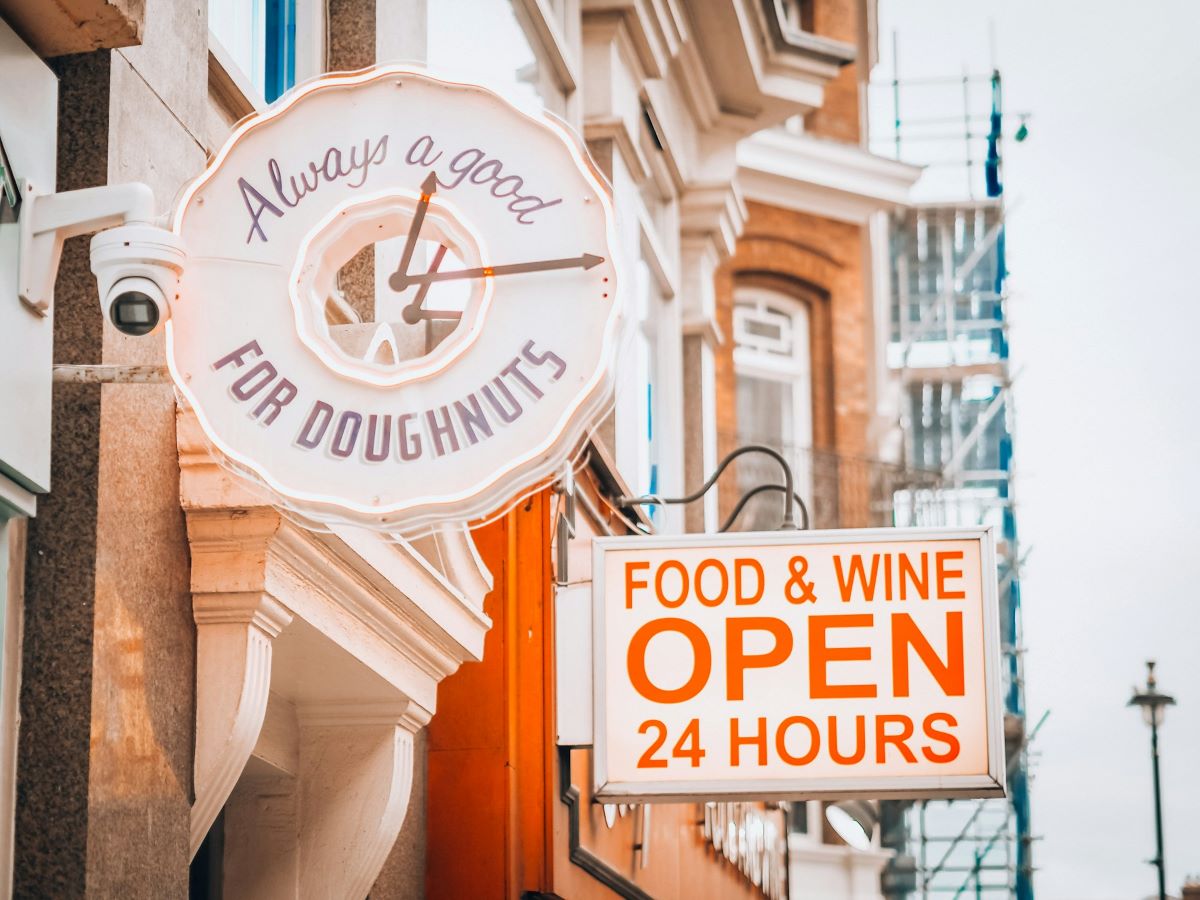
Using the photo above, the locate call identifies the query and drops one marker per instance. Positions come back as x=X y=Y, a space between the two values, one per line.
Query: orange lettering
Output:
x=945 y=737
x=944 y=572
x=857 y=570
x=820 y=656
x=759 y=740
x=908 y=575
x=860 y=737
x=744 y=599
x=739 y=660
x=882 y=738
x=630 y=584
x=950 y=675
x=720 y=597
x=814 y=741
x=683 y=586
x=635 y=661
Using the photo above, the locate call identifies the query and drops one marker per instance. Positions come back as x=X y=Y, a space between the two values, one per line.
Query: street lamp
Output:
x=854 y=821
x=1154 y=706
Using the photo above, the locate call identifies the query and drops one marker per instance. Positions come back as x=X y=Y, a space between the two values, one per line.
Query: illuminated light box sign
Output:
x=797 y=664
x=488 y=351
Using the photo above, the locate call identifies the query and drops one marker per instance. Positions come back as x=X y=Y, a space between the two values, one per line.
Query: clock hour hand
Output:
x=399 y=278
x=584 y=261
x=413 y=313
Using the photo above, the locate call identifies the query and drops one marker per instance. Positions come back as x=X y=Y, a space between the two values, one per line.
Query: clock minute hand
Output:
x=584 y=261
x=399 y=279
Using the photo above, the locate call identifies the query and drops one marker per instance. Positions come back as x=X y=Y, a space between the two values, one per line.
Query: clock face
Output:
x=400 y=302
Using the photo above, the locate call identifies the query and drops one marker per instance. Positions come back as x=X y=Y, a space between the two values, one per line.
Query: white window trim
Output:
x=757 y=364
x=312 y=40
x=230 y=82
x=551 y=41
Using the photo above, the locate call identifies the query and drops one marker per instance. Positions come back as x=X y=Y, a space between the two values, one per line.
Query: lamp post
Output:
x=1154 y=706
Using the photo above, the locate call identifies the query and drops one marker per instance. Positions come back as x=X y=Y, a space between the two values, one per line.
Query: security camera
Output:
x=137 y=268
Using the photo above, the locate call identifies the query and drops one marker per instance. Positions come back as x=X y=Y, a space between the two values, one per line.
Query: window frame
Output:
x=293 y=49
x=796 y=369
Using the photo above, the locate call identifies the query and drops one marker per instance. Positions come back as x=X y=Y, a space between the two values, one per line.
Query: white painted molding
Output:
x=462 y=565
x=616 y=129
x=822 y=177
x=715 y=210
x=642 y=28
x=234 y=633
x=701 y=258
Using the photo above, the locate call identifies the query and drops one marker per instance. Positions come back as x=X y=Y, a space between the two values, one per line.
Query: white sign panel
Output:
x=28 y=132
x=797 y=664
x=489 y=349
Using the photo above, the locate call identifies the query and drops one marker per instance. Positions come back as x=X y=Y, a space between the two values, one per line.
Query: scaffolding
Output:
x=949 y=353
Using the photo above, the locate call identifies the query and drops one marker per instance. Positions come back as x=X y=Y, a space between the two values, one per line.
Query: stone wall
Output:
x=105 y=758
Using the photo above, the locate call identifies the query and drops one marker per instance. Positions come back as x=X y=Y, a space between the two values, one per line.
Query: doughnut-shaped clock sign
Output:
x=482 y=347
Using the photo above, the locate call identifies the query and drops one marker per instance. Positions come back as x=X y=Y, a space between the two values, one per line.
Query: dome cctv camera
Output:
x=135 y=306
x=137 y=270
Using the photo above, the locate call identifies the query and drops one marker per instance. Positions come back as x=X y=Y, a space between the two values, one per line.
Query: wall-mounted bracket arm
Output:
x=790 y=497
x=49 y=219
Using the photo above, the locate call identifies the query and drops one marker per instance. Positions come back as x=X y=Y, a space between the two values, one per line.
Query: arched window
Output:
x=773 y=362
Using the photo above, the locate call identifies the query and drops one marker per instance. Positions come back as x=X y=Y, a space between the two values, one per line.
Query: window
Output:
x=487 y=42
x=797 y=817
x=259 y=37
x=774 y=392
x=798 y=14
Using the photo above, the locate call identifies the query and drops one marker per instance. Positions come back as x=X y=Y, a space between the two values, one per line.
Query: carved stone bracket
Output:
x=356 y=768
x=324 y=830
x=234 y=633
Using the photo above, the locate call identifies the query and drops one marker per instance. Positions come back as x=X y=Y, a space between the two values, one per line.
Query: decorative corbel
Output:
x=234 y=632
x=356 y=769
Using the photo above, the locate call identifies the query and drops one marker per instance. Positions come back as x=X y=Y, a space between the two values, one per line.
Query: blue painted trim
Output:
x=280 y=48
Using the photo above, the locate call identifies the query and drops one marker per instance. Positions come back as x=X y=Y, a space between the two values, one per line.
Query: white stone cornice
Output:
x=459 y=561
x=617 y=131
x=707 y=329
x=639 y=19
x=826 y=178
x=715 y=210
x=700 y=260
x=380 y=601
x=350 y=715
x=760 y=71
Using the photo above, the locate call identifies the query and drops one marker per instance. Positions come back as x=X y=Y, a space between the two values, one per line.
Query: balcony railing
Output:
x=840 y=491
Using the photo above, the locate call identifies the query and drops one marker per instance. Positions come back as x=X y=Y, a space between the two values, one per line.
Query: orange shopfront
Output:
x=510 y=814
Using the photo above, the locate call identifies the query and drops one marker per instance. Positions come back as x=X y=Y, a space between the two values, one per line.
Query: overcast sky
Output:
x=1104 y=248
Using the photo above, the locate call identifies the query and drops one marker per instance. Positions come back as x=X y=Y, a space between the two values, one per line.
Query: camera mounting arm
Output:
x=46 y=220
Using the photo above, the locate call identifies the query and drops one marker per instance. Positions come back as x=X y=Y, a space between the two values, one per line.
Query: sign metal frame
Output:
x=683 y=789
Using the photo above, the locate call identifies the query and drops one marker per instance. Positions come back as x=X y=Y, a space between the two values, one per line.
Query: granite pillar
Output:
x=107 y=704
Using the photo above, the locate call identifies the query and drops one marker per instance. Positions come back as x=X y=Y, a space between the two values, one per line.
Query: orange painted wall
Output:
x=488 y=831
x=496 y=825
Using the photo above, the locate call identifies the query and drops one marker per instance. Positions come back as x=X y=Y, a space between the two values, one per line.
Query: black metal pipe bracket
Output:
x=790 y=497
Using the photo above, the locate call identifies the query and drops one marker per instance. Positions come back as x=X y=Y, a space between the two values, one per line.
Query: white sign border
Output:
x=934 y=787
